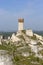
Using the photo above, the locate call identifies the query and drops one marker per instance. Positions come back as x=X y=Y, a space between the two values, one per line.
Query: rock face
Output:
x=38 y=36
x=29 y=48
x=29 y=32
x=27 y=36
x=5 y=59
x=14 y=38
x=30 y=39
x=19 y=33
x=25 y=54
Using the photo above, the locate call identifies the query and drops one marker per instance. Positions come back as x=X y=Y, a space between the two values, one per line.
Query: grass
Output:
x=18 y=59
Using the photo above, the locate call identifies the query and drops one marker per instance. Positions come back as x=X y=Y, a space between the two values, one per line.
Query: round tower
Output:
x=20 y=24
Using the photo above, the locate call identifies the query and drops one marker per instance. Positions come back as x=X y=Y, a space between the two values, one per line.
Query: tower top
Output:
x=20 y=20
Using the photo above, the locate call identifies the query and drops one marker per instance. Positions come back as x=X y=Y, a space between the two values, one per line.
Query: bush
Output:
x=16 y=58
x=34 y=37
x=39 y=43
x=24 y=31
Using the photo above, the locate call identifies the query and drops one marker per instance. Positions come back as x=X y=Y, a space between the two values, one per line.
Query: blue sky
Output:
x=30 y=10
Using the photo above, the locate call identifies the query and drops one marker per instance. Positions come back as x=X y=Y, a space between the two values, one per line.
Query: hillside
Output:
x=27 y=49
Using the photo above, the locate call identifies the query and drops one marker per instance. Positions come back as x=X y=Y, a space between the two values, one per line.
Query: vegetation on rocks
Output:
x=24 y=53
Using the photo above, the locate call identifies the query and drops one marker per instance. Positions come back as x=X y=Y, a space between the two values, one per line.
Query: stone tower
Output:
x=20 y=24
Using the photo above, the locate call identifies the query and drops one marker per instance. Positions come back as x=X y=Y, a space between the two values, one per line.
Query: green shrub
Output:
x=39 y=43
x=24 y=31
x=34 y=37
